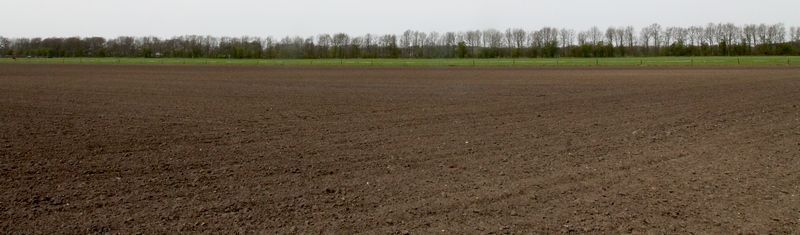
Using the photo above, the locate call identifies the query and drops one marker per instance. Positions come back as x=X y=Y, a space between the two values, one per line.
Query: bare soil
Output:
x=168 y=149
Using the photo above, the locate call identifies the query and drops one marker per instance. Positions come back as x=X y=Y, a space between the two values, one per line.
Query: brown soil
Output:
x=165 y=149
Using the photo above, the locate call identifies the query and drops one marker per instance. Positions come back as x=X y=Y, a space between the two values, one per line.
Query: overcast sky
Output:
x=165 y=18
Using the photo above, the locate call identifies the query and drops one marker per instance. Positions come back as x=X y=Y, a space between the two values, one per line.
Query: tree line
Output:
x=721 y=39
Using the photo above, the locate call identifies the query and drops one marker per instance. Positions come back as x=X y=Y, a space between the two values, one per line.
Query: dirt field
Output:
x=165 y=149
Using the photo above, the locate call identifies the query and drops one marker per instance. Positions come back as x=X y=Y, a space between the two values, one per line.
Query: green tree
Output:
x=461 y=50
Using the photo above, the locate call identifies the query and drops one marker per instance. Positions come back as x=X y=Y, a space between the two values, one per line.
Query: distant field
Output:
x=631 y=61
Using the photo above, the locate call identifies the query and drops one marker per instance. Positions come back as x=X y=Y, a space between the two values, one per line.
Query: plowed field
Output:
x=166 y=149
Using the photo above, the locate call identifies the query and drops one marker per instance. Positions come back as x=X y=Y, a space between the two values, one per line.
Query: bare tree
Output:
x=776 y=33
x=389 y=48
x=728 y=34
x=432 y=44
x=667 y=37
x=536 y=39
x=595 y=36
x=611 y=35
x=516 y=39
x=710 y=39
x=650 y=34
x=407 y=43
x=340 y=42
x=509 y=38
x=473 y=40
x=630 y=37
x=655 y=33
x=450 y=39
x=420 y=38
x=762 y=35
x=619 y=36
x=519 y=37
x=5 y=46
x=95 y=46
x=325 y=42
x=695 y=35
x=583 y=38
x=749 y=32
x=407 y=39
x=493 y=38
x=567 y=37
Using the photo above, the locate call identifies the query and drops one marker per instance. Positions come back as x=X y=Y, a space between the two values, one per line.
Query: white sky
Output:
x=166 y=18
